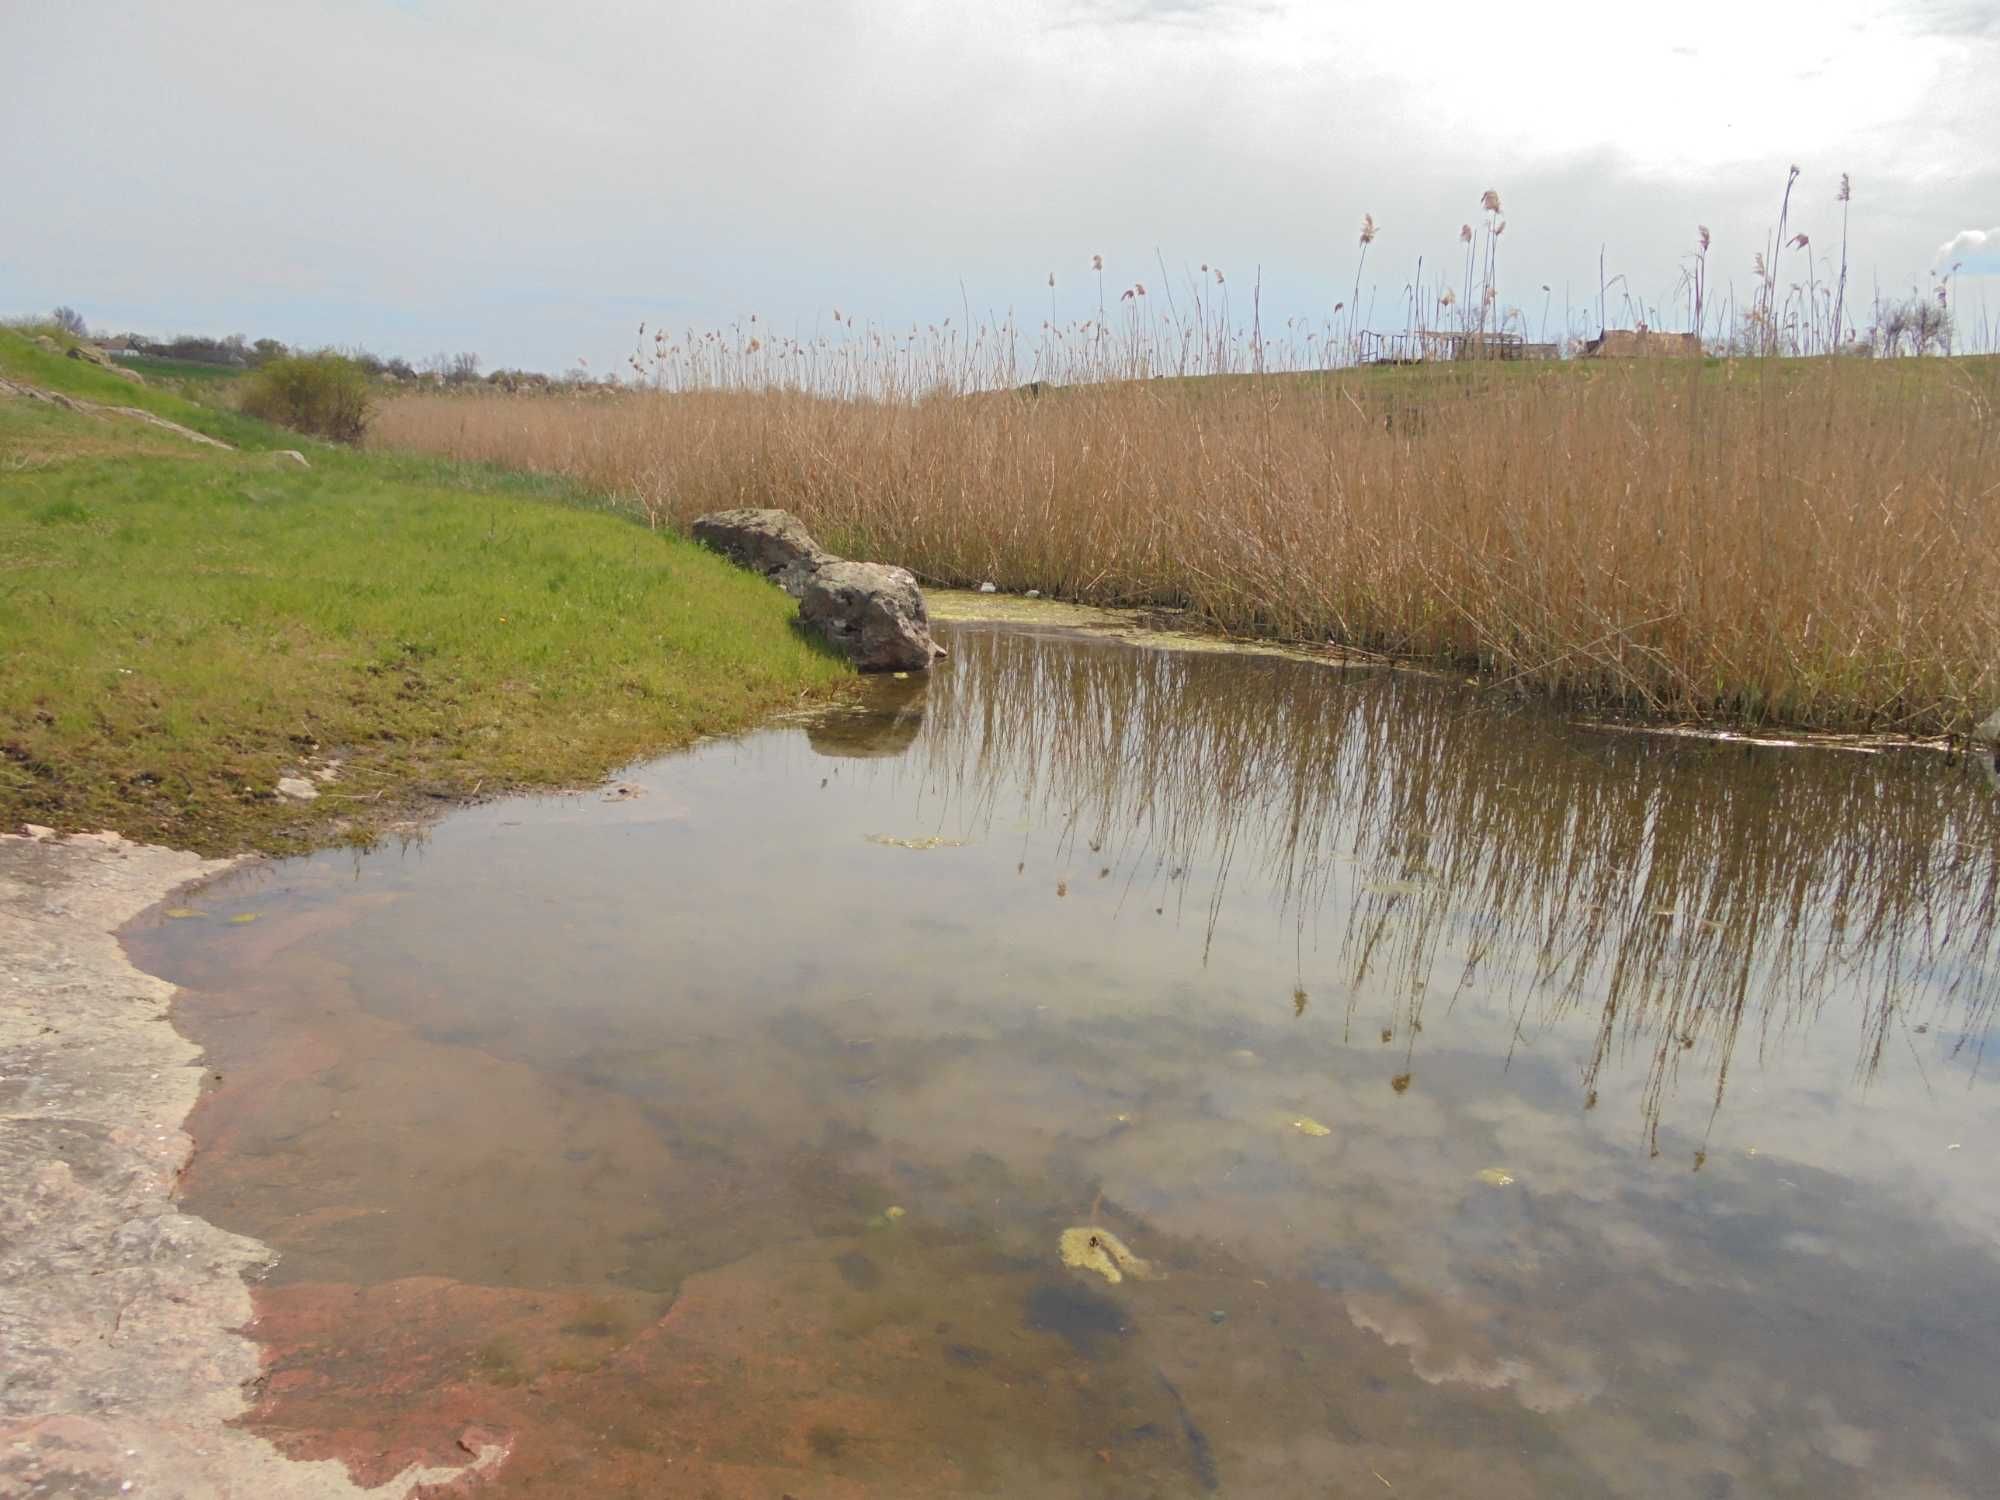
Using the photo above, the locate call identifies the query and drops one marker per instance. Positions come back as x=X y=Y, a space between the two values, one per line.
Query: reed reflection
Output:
x=1698 y=897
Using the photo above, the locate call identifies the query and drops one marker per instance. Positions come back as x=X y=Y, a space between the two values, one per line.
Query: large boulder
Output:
x=871 y=611
x=772 y=542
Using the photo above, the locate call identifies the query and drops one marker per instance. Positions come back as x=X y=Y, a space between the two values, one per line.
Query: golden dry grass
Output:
x=1802 y=542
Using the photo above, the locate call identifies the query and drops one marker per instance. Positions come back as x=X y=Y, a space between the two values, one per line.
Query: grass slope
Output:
x=179 y=627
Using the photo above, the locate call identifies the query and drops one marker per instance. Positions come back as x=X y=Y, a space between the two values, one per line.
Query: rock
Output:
x=290 y=455
x=772 y=542
x=872 y=612
x=1988 y=732
x=989 y=588
x=296 y=789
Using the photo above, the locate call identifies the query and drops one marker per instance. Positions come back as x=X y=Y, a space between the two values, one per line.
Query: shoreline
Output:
x=122 y=1318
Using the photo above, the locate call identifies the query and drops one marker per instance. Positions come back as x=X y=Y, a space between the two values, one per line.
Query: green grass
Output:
x=22 y=359
x=179 y=627
x=193 y=370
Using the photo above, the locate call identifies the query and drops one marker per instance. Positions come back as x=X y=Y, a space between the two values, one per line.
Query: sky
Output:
x=530 y=181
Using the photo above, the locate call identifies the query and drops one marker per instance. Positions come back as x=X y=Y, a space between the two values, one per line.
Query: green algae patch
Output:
x=1086 y=1249
x=1163 y=630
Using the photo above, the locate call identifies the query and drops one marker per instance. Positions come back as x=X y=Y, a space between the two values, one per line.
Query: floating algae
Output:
x=1102 y=1251
x=889 y=841
x=1307 y=1125
x=1494 y=1177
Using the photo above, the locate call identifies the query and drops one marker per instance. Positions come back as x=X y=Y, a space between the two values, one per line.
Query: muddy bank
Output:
x=122 y=1359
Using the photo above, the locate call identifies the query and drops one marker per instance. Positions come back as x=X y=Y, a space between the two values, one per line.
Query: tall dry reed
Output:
x=1809 y=543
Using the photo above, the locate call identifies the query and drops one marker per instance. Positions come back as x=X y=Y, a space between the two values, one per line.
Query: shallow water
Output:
x=1504 y=1107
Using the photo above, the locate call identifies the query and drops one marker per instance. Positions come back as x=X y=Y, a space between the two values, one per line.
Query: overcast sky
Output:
x=529 y=180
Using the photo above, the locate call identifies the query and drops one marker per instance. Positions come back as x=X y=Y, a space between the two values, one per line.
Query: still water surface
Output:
x=1504 y=1107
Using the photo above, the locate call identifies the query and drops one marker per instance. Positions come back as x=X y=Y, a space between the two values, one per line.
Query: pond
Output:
x=1470 y=1103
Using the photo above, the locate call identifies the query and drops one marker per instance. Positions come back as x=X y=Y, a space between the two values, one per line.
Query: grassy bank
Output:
x=1809 y=543
x=181 y=626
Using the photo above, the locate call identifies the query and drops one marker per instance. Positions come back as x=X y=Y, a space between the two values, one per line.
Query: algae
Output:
x=1087 y=1249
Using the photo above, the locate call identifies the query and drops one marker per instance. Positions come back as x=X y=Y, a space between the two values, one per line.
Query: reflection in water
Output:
x=727 y=1138
x=884 y=727
x=1684 y=890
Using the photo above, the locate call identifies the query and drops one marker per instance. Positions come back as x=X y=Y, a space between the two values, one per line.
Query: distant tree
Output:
x=266 y=350
x=1918 y=323
x=70 y=321
x=1930 y=323
x=453 y=369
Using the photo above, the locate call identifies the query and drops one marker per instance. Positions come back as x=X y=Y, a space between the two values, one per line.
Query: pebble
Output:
x=987 y=588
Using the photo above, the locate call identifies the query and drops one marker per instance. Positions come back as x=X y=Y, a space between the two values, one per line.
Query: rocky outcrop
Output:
x=95 y=408
x=772 y=542
x=91 y=354
x=872 y=612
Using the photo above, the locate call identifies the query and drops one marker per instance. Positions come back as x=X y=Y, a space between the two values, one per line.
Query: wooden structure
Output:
x=1434 y=345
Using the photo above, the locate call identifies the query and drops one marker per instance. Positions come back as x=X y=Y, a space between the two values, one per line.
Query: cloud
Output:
x=498 y=175
x=1976 y=19
x=1109 y=13
x=1977 y=249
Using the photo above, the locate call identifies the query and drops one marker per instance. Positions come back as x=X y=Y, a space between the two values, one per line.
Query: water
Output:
x=1505 y=1107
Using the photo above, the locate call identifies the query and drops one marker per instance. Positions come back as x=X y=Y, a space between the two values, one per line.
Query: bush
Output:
x=324 y=394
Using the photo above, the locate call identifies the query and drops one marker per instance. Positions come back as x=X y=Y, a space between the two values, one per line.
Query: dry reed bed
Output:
x=1806 y=543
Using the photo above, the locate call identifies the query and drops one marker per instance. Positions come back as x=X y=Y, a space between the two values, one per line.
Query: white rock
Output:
x=296 y=789
x=987 y=588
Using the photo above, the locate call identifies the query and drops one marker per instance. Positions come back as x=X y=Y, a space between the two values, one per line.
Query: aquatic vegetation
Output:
x=1089 y=1249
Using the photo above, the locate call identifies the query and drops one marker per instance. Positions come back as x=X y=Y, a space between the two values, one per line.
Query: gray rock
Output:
x=872 y=612
x=1988 y=732
x=772 y=542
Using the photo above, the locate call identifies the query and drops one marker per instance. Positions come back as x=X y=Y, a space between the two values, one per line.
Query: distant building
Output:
x=1641 y=343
